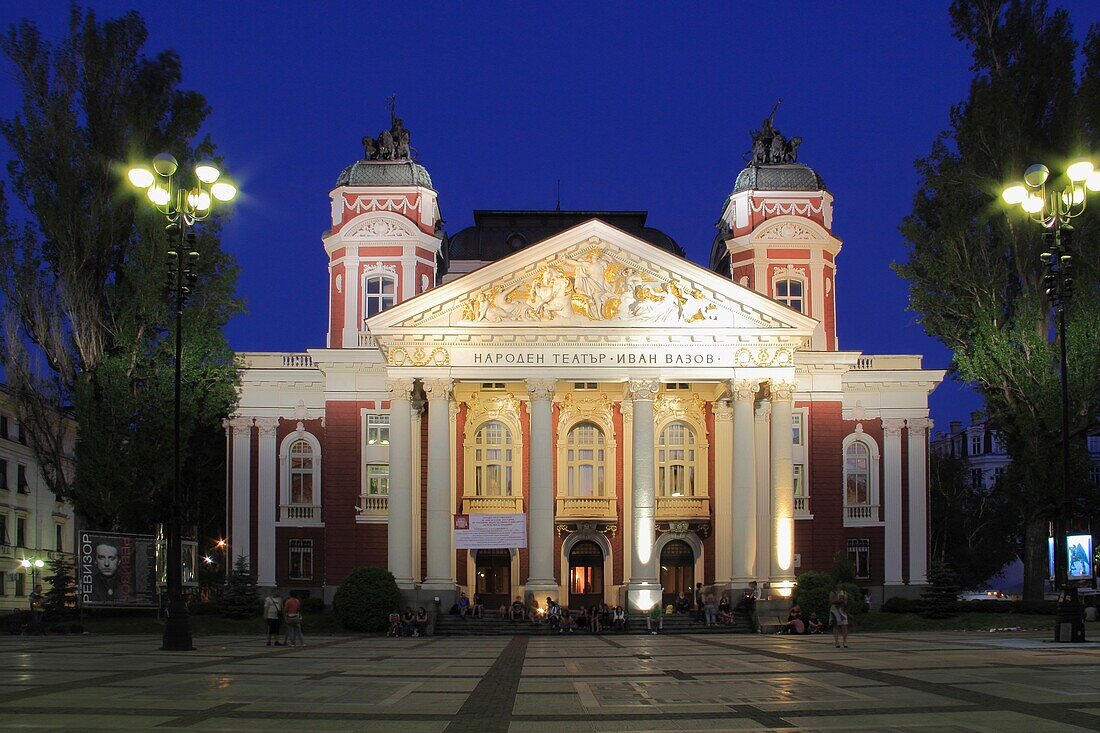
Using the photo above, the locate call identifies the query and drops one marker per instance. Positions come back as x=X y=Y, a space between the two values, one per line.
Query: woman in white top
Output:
x=838 y=615
x=273 y=609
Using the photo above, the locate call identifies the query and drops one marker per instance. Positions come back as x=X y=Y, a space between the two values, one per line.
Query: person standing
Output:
x=293 y=614
x=838 y=615
x=36 y=599
x=273 y=609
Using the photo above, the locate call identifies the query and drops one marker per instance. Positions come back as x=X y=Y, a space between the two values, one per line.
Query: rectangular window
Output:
x=21 y=484
x=975 y=445
x=5 y=538
x=59 y=537
x=301 y=560
x=3 y=584
x=859 y=554
x=796 y=428
x=1094 y=443
x=20 y=584
x=378 y=479
x=378 y=429
x=677 y=385
x=22 y=434
x=999 y=474
x=976 y=479
x=492 y=386
x=5 y=425
x=581 y=386
x=1094 y=474
x=20 y=531
x=799 y=482
x=3 y=474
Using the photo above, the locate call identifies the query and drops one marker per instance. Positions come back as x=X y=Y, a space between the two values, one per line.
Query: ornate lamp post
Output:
x=182 y=204
x=32 y=566
x=1053 y=207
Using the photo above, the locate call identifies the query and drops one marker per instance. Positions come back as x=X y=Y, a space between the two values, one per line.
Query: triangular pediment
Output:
x=592 y=276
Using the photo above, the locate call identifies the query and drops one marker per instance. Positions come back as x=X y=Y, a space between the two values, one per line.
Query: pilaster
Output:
x=267 y=501
x=240 y=533
x=918 y=429
x=541 y=521
x=440 y=394
x=643 y=590
x=891 y=500
x=399 y=534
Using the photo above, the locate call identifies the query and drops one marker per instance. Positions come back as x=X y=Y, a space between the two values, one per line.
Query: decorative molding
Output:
x=379 y=267
x=541 y=389
x=891 y=426
x=240 y=422
x=782 y=391
x=439 y=388
x=744 y=389
x=692 y=407
x=788 y=230
x=643 y=390
x=723 y=411
x=596 y=408
x=626 y=409
x=763 y=412
x=379 y=229
x=400 y=389
x=919 y=424
x=267 y=426
x=764 y=357
x=586 y=529
x=365 y=204
x=482 y=405
x=773 y=209
x=418 y=357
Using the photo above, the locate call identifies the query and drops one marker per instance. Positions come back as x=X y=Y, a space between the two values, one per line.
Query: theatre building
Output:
x=617 y=421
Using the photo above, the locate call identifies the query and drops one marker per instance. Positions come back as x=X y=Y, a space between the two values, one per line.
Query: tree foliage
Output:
x=365 y=599
x=60 y=599
x=239 y=598
x=974 y=272
x=87 y=327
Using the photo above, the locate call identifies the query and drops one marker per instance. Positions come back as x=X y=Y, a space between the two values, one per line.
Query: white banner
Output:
x=490 y=531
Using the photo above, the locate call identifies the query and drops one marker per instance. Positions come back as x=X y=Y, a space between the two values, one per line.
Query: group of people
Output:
x=595 y=618
x=838 y=619
x=408 y=623
x=276 y=611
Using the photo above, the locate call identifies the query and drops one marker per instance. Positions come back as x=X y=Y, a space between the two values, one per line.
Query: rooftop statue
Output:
x=769 y=146
x=391 y=144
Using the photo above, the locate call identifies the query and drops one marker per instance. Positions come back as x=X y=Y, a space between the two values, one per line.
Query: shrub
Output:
x=855 y=605
x=365 y=599
x=938 y=599
x=843 y=570
x=240 y=600
x=1048 y=607
x=812 y=593
x=897 y=604
x=313 y=605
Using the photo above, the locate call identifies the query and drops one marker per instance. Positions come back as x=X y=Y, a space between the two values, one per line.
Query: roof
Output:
x=496 y=234
x=384 y=173
x=781 y=177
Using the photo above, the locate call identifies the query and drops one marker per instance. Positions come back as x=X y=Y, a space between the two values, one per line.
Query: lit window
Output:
x=378 y=479
x=584 y=456
x=789 y=293
x=378 y=429
x=796 y=428
x=493 y=452
x=379 y=293
x=676 y=453
x=301 y=472
x=799 y=482
x=857 y=475
x=859 y=554
x=301 y=560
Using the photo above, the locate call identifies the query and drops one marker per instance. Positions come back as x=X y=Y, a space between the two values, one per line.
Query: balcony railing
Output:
x=586 y=507
x=861 y=513
x=683 y=507
x=802 y=506
x=300 y=513
x=373 y=505
x=59 y=555
x=492 y=505
x=7 y=551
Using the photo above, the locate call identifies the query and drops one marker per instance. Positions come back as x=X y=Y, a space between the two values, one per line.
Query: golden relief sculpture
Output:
x=592 y=286
x=419 y=356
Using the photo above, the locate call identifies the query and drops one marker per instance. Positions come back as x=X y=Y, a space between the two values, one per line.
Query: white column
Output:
x=240 y=534
x=918 y=499
x=891 y=499
x=762 y=564
x=540 y=540
x=399 y=535
x=267 y=502
x=440 y=394
x=744 y=484
x=723 y=490
x=782 y=564
x=416 y=415
x=643 y=590
x=352 y=315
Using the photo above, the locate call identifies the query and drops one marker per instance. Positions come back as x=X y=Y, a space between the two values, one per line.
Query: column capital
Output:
x=239 y=422
x=891 y=426
x=541 y=389
x=919 y=424
x=723 y=411
x=267 y=426
x=440 y=388
x=401 y=388
x=763 y=411
x=643 y=390
x=744 y=389
x=626 y=409
x=782 y=391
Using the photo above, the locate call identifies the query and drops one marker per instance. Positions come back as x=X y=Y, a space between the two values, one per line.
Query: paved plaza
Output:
x=884 y=682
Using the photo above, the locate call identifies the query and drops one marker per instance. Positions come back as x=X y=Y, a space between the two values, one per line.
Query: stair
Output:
x=493 y=625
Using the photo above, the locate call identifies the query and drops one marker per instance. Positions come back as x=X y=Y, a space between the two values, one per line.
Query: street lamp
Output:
x=33 y=566
x=1053 y=207
x=182 y=204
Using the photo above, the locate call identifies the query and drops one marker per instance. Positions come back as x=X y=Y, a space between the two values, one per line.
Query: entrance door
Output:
x=677 y=570
x=585 y=575
x=493 y=571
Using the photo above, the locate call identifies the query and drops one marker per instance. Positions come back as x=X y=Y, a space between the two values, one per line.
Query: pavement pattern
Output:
x=943 y=683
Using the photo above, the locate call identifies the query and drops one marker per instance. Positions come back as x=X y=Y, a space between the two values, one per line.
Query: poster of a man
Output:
x=117 y=569
x=105 y=579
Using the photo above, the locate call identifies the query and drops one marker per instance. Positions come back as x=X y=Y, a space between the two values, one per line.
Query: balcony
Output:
x=304 y=513
x=492 y=505
x=59 y=555
x=7 y=551
x=683 y=507
x=600 y=508
x=372 y=507
x=861 y=514
x=802 y=507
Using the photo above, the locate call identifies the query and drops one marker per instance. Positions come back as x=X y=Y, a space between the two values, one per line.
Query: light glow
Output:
x=207 y=172
x=1014 y=194
x=140 y=177
x=1079 y=171
x=199 y=201
x=1075 y=197
x=784 y=588
x=784 y=542
x=1093 y=181
x=1033 y=204
x=223 y=191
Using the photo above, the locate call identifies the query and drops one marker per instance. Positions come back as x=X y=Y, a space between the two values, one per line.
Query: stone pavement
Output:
x=884 y=682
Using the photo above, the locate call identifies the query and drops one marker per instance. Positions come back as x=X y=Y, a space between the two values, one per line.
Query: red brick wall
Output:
x=819 y=538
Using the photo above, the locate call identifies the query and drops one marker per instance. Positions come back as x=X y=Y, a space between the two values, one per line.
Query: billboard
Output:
x=117 y=570
x=490 y=531
x=1078 y=554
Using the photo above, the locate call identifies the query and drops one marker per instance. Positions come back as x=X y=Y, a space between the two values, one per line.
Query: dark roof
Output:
x=384 y=173
x=499 y=233
x=782 y=177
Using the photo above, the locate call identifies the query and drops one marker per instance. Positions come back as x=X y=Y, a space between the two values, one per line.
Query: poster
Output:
x=1079 y=552
x=490 y=531
x=117 y=570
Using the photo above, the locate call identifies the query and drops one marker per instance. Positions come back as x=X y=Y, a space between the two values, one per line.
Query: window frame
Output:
x=874 y=485
x=303 y=547
x=665 y=480
x=853 y=549
x=285 y=487
x=376 y=475
x=574 y=463
x=787 y=299
x=380 y=425
x=506 y=462
x=381 y=296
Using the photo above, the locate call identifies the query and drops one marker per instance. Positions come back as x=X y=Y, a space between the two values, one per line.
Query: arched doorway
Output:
x=493 y=577
x=677 y=570
x=585 y=574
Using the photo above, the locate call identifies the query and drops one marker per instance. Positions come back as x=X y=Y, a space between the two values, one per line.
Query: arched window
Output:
x=379 y=292
x=585 y=455
x=857 y=475
x=676 y=452
x=493 y=460
x=301 y=472
x=791 y=294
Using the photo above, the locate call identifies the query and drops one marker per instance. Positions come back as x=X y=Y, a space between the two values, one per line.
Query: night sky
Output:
x=632 y=106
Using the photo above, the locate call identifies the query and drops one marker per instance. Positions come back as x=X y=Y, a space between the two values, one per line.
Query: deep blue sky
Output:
x=631 y=105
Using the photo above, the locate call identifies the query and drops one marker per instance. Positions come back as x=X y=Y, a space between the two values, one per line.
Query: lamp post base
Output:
x=177 y=633
x=1069 y=624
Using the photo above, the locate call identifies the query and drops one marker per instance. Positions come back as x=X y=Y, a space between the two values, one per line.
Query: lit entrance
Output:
x=585 y=574
x=677 y=570
x=493 y=571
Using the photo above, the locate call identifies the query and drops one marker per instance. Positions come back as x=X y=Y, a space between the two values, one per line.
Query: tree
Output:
x=365 y=599
x=938 y=598
x=61 y=597
x=239 y=599
x=87 y=327
x=972 y=527
x=974 y=273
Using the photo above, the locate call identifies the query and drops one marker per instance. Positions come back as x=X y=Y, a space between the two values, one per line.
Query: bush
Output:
x=843 y=570
x=897 y=604
x=204 y=608
x=939 y=597
x=313 y=605
x=240 y=600
x=365 y=599
x=812 y=594
x=856 y=605
x=1048 y=607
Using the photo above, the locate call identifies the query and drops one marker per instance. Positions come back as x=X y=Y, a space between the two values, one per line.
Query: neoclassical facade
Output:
x=651 y=422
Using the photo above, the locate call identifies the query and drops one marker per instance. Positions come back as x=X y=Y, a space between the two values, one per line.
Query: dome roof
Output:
x=781 y=177
x=384 y=173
